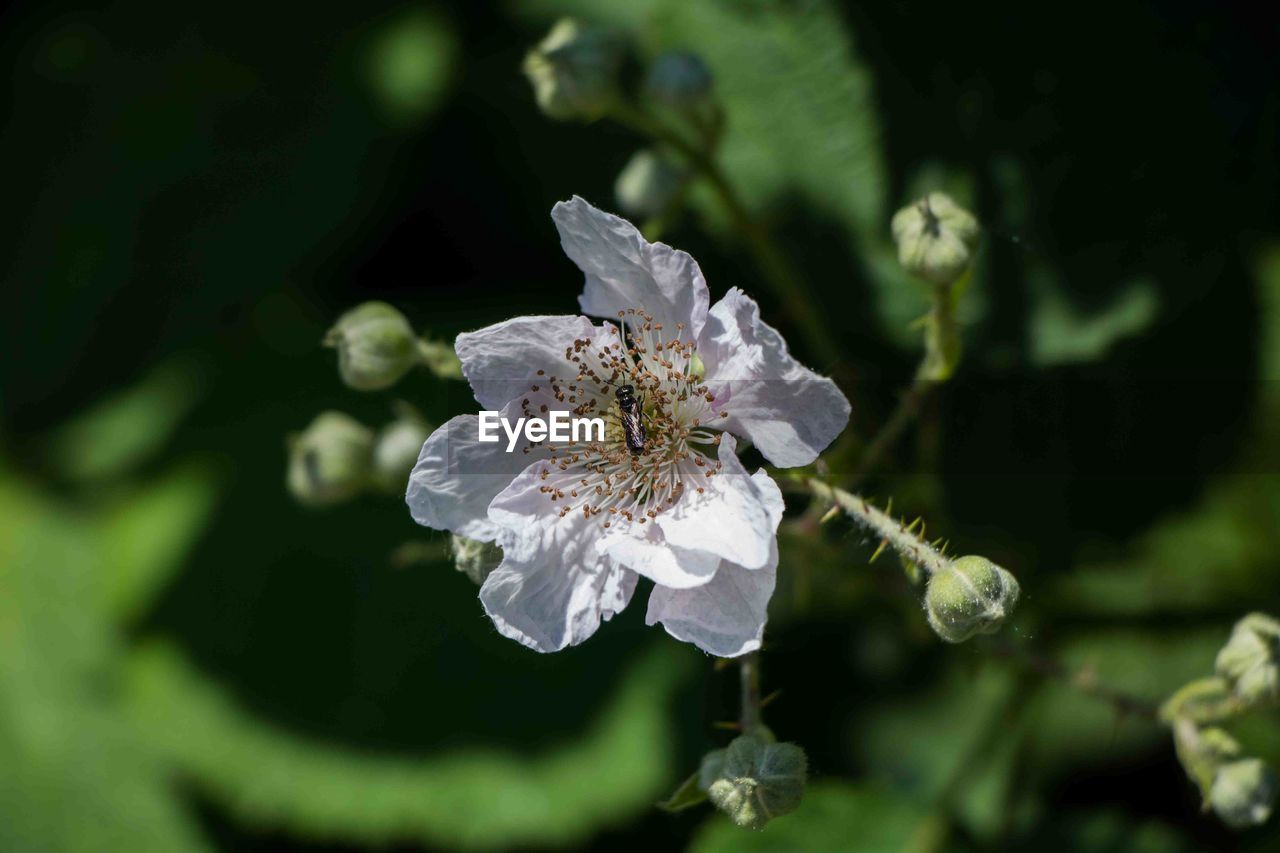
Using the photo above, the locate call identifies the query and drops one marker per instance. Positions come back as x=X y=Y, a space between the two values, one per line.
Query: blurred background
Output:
x=191 y=660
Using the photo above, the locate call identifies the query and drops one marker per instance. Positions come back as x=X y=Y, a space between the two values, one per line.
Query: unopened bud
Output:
x=971 y=596
x=474 y=559
x=396 y=451
x=680 y=81
x=936 y=238
x=376 y=346
x=648 y=184
x=1243 y=793
x=574 y=71
x=331 y=460
x=758 y=781
x=1251 y=658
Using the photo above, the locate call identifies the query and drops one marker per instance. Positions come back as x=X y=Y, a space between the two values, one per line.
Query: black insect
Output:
x=632 y=418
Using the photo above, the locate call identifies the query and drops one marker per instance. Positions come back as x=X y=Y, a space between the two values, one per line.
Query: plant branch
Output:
x=749 y=667
x=901 y=537
x=796 y=297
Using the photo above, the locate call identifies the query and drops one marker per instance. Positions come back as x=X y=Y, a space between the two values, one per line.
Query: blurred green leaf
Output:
x=954 y=743
x=1107 y=832
x=122 y=431
x=146 y=537
x=688 y=795
x=791 y=81
x=76 y=776
x=1070 y=728
x=409 y=62
x=471 y=799
x=833 y=816
x=1061 y=333
x=1218 y=554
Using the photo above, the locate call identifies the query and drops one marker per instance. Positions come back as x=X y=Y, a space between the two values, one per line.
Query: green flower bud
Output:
x=574 y=71
x=474 y=559
x=376 y=346
x=680 y=81
x=1251 y=658
x=396 y=451
x=936 y=238
x=648 y=184
x=758 y=781
x=971 y=596
x=1243 y=793
x=331 y=460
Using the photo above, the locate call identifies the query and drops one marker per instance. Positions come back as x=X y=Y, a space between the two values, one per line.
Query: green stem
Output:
x=794 y=293
x=941 y=355
x=902 y=538
x=749 y=666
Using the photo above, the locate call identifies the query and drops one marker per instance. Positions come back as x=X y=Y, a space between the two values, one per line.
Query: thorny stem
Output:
x=900 y=537
x=794 y=293
x=749 y=667
x=914 y=548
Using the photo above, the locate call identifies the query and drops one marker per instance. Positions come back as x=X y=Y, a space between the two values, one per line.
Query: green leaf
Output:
x=1060 y=333
x=473 y=798
x=145 y=538
x=688 y=795
x=833 y=816
x=126 y=428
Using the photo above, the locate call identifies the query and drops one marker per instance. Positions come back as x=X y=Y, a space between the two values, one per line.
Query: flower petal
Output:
x=726 y=616
x=787 y=410
x=729 y=519
x=626 y=271
x=457 y=475
x=557 y=594
x=501 y=361
x=644 y=549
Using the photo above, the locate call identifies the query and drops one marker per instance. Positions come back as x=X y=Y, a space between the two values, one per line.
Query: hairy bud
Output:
x=376 y=346
x=648 y=184
x=396 y=451
x=936 y=238
x=574 y=71
x=755 y=781
x=1243 y=793
x=474 y=559
x=331 y=460
x=971 y=596
x=680 y=81
x=1251 y=658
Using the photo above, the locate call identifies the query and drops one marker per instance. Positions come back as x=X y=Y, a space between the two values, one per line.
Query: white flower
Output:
x=579 y=523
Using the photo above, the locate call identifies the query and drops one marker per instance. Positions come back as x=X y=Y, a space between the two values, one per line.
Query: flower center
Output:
x=618 y=480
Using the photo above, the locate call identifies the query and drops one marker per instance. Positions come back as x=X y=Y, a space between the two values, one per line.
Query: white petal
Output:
x=457 y=475
x=644 y=549
x=626 y=271
x=726 y=616
x=502 y=361
x=557 y=594
x=730 y=519
x=787 y=410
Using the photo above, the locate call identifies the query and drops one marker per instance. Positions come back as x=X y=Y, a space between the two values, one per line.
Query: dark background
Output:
x=209 y=186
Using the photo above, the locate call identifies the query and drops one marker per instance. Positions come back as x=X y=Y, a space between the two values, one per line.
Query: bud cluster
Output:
x=577 y=73
x=1240 y=789
x=337 y=458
